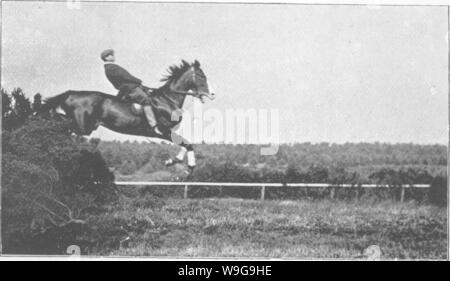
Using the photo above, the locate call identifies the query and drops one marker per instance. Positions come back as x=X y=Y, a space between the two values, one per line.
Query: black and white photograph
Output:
x=224 y=130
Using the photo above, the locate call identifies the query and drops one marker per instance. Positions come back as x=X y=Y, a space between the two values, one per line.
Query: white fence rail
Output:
x=263 y=186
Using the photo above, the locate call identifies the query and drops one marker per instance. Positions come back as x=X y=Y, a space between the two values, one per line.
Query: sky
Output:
x=335 y=73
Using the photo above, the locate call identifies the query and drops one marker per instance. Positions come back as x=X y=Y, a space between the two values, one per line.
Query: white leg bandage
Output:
x=181 y=154
x=60 y=110
x=191 y=158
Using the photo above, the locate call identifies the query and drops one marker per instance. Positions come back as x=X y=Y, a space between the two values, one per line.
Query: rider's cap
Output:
x=106 y=53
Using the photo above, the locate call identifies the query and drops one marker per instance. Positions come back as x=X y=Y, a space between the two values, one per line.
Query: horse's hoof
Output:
x=189 y=170
x=170 y=162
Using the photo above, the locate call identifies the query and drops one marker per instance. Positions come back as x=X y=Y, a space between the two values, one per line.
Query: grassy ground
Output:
x=278 y=229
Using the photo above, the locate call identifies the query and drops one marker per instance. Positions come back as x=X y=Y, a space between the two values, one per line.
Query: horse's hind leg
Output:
x=90 y=123
x=86 y=124
x=79 y=118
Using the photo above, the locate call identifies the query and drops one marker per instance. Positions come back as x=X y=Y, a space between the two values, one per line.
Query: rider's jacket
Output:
x=121 y=79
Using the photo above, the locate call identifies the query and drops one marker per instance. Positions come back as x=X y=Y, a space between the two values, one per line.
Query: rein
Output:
x=194 y=94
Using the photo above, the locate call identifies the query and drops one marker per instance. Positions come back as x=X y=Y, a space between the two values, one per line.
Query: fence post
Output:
x=263 y=192
x=402 y=194
x=359 y=190
x=333 y=190
x=185 y=191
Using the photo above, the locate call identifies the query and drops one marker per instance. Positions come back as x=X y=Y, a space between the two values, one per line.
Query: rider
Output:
x=128 y=86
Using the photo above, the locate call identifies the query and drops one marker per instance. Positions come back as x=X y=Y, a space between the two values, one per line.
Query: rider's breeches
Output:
x=148 y=110
x=139 y=96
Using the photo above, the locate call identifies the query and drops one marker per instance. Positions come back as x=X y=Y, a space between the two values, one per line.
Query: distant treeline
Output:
x=292 y=162
x=353 y=163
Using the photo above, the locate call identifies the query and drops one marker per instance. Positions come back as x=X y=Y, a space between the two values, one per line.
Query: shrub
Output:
x=49 y=178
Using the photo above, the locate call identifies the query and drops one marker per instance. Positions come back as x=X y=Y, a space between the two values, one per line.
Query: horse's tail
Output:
x=53 y=102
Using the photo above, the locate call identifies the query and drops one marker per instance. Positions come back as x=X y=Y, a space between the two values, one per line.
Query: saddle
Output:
x=163 y=110
x=136 y=108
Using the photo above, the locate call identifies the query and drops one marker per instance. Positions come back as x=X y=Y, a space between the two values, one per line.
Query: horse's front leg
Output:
x=186 y=149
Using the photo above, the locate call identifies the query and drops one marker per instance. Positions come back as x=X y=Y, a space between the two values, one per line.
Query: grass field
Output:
x=276 y=229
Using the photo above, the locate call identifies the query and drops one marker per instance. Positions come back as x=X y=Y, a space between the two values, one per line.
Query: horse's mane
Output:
x=175 y=71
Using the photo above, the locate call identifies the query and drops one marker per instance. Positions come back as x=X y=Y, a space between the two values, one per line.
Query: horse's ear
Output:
x=184 y=63
x=196 y=64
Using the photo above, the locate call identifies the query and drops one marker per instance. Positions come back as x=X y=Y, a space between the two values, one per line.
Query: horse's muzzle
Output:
x=210 y=96
x=201 y=96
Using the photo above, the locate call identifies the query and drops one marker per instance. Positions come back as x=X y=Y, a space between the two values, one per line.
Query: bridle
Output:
x=195 y=93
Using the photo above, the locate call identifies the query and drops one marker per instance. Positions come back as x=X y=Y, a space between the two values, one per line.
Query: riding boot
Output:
x=149 y=114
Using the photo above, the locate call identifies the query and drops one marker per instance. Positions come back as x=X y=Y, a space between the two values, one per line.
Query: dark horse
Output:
x=91 y=109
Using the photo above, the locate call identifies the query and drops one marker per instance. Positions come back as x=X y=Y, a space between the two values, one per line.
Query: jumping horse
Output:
x=90 y=109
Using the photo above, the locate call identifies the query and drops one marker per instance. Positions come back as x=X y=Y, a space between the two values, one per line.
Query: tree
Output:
x=22 y=106
x=37 y=103
x=7 y=111
x=16 y=108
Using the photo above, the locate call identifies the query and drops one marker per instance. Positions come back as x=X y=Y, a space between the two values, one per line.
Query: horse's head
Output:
x=191 y=79
x=200 y=83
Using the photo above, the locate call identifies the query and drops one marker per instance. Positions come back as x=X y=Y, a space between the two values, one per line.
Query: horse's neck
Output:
x=177 y=98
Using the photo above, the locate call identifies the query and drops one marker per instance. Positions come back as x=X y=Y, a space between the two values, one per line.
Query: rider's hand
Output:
x=147 y=89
